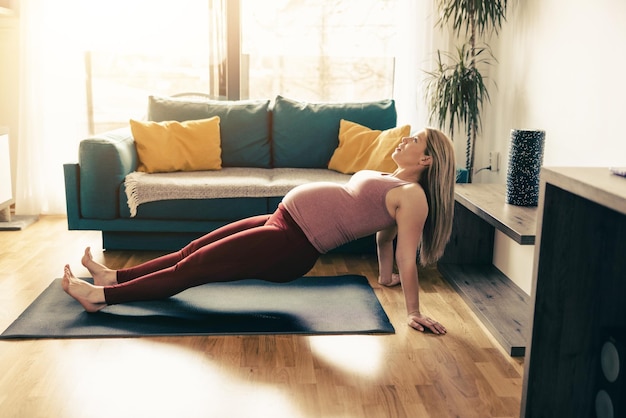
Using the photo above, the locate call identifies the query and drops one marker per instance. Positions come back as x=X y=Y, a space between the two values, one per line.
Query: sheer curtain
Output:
x=52 y=103
x=217 y=47
x=416 y=52
x=54 y=116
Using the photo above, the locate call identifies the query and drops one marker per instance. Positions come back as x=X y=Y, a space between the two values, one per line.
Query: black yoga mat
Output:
x=308 y=305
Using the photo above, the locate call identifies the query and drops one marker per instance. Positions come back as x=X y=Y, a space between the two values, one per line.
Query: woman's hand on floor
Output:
x=421 y=322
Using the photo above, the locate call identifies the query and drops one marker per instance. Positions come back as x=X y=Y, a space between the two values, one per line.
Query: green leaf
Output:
x=483 y=15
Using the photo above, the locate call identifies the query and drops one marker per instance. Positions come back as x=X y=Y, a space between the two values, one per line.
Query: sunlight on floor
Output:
x=148 y=378
x=359 y=354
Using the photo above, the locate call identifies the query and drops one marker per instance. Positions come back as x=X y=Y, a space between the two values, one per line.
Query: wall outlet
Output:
x=494 y=161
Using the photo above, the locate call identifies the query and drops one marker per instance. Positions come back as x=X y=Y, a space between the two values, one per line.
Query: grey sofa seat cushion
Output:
x=230 y=182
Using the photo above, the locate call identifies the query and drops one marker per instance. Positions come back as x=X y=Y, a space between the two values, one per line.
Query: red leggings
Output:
x=266 y=247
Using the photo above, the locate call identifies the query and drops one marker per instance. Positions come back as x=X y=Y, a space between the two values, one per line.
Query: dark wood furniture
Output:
x=579 y=288
x=467 y=264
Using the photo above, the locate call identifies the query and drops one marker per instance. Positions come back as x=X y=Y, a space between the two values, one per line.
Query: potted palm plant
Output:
x=456 y=89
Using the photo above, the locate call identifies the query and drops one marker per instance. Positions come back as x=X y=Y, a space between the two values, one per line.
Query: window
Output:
x=321 y=51
x=164 y=52
x=331 y=50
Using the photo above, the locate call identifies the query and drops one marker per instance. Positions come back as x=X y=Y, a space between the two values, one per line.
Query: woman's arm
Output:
x=410 y=217
x=384 y=248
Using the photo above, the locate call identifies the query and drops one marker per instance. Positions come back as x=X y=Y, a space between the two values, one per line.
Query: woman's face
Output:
x=411 y=151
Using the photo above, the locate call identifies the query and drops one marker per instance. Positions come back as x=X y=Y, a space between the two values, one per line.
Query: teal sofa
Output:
x=268 y=137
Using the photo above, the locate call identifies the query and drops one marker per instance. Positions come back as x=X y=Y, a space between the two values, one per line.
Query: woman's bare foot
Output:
x=393 y=281
x=102 y=275
x=91 y=297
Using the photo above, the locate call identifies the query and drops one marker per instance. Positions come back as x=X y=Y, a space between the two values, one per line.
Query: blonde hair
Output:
x=438 y=183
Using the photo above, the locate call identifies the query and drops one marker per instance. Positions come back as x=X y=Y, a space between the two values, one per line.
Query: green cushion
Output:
x=305 y=135
x=244 y=125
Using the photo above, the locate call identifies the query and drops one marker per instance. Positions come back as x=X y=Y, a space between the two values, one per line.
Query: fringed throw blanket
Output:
x=225 y=183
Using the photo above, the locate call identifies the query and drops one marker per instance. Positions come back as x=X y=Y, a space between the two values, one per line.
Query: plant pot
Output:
x=525 y=160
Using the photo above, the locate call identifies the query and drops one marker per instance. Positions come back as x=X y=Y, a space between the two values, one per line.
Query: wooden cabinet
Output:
x=579 y=288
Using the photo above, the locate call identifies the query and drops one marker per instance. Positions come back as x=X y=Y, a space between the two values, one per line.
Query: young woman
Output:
x=413 y=204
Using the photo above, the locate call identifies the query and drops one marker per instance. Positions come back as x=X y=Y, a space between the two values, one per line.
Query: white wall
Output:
x=562 y=68
x=514 y=260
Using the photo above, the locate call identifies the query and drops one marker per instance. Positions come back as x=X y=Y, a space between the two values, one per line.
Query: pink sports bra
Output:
x=332 y=214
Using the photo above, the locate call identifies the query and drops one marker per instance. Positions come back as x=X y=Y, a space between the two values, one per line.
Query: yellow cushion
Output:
x=362 y=148
x=193 y=145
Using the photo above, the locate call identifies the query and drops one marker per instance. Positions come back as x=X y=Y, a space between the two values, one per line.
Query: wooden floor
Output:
x=408 y=374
